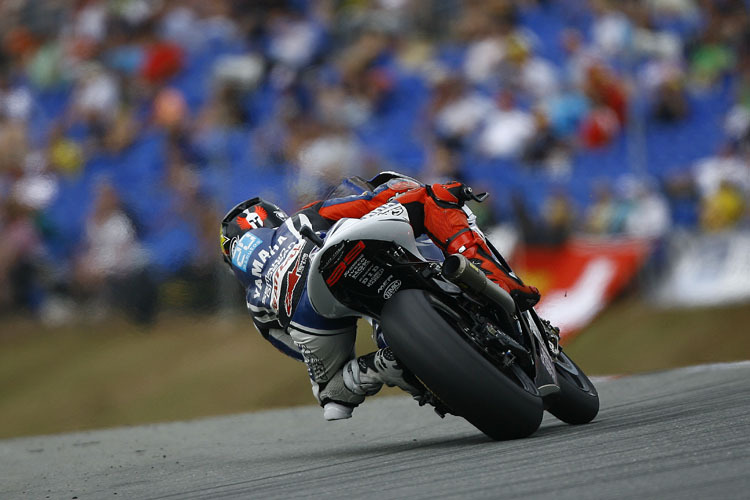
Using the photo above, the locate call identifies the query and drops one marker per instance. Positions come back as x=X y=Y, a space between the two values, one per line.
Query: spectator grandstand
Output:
x=633 y=114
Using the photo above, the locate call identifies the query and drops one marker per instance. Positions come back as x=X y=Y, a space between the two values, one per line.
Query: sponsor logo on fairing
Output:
x=392 y=288
x=243 y=248
x=392 y=209
x=357 y=267
x=371 y=276
x=341 y=267
x=385 y=282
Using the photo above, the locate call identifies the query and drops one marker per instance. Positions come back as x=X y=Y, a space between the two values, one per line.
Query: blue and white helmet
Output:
x=246 y=216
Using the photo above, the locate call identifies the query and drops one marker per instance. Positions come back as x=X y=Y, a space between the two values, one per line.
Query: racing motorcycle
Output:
x=462 y=336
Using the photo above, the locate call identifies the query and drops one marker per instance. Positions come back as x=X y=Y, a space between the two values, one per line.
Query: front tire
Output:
x=577 y=402
x=451 y=368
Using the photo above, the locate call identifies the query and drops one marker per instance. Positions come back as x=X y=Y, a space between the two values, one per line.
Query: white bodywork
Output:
x=389 y=222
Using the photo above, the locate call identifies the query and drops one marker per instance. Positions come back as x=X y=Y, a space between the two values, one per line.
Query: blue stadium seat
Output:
x=66 y=215
x=230 y=168
x=171 y=248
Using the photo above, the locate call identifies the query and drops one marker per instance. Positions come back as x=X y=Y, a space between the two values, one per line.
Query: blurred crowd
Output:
x=127 y=127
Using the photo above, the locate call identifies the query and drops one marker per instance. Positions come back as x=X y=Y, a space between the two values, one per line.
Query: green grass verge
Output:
x=633 y=337
x=82 y=377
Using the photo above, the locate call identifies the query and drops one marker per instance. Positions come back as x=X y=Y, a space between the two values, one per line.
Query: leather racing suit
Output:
x=272 y=265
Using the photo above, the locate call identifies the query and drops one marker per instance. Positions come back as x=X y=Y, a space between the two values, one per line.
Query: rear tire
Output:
x=577 y=402
x=451 y=368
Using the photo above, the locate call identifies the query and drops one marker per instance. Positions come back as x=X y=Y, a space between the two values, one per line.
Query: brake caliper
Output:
x=552 y=335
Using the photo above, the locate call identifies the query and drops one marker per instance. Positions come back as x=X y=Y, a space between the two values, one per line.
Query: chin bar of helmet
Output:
x=457 y=269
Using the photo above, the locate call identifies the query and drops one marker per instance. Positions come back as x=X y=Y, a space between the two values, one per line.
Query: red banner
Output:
x=580 y=278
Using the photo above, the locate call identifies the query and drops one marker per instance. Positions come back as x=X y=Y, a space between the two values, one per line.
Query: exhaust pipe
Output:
x=457 y=269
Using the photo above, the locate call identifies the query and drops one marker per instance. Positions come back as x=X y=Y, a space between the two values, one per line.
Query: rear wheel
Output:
x=577 y=402
x=502 y=405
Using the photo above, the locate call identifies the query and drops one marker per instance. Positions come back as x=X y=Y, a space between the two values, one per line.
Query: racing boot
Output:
x=447 y=225
x=525 y=296
x=366 y=374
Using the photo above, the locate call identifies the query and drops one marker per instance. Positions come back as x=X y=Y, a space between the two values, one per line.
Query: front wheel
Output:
x=577 y=402
x=431 y=347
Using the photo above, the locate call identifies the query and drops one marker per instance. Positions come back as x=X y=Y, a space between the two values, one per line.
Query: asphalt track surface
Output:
x=678 y=434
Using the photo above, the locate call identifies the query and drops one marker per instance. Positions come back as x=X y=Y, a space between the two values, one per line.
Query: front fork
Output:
x=544 y=351
x=551 y=334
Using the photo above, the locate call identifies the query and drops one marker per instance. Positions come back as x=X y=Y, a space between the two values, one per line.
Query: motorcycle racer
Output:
x=270 y=257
